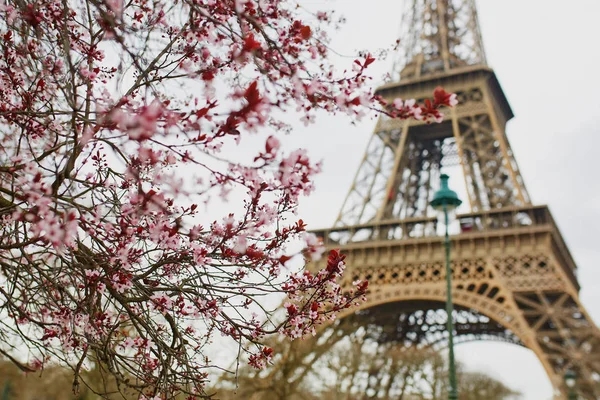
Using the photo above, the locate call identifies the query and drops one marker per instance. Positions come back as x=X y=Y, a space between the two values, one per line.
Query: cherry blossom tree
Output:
x=120 y=125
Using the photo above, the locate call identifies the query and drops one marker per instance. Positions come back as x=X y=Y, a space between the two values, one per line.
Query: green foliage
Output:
x=6 y=391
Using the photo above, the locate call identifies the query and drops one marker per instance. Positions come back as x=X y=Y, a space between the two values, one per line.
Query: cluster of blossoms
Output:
x=430 y=111
x=303 y=319
x=118 y=127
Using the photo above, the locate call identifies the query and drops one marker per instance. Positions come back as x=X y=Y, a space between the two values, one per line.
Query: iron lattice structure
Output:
x=439 y=36
x=514 y=279
x=400 y=169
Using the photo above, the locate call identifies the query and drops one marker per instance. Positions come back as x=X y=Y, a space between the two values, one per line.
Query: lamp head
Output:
x=445 y=196
x=570 y=378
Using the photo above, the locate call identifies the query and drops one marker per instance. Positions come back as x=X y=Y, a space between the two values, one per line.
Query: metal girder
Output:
x=514 y=278
x=441 y=46
x=401 y=168
x=422 y=323
x=439 y=36
x=509 y=265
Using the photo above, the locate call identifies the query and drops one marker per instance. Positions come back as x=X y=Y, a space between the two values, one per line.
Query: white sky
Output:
x=546 y=56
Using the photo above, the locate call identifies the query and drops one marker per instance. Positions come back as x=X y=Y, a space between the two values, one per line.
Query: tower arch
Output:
x=510 y=261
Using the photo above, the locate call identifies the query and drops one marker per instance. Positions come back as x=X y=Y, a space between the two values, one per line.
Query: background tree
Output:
x=54 y=384
x=119 y=122
x=358 y=368
x=478 y=386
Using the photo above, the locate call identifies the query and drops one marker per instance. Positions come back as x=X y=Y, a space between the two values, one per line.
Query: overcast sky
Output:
x=546 y=56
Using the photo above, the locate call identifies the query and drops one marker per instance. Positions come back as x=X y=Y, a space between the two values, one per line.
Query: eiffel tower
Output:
x=514 y=279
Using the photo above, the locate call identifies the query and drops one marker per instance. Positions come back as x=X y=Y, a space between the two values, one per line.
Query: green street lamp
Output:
x=446 y=201
x=571 y=381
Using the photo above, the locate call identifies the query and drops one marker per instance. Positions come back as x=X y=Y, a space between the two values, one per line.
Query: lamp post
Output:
x=571 y=381
x=446 y=200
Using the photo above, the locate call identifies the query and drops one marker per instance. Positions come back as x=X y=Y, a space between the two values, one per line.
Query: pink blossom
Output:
x=241 y=243
x=86 y=73
x=116 y=6
x=273 y=144
x=161 y=302
x=399 y=104
x=110 y=180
